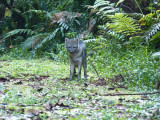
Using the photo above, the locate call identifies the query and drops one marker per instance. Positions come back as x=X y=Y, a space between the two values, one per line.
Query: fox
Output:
x=77 y=55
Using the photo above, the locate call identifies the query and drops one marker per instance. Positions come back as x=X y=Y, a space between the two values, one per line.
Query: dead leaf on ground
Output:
x=21 y=110
x=61 y=100
x=19 y=82
x=121 y=106
x=155 y=112
x=111 y=88
x=31 y=112
x=48 y=106
x=61 y=105
x=133 y=101
x=121 y=99
x=85 y=85
x=102 y=82
x=65 y=79
x=145 y=97
x=37 y=78
x=3 y=79
x=1 y=92
x=38 y=118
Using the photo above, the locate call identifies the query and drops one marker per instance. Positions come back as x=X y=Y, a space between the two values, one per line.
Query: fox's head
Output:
x=72 y=44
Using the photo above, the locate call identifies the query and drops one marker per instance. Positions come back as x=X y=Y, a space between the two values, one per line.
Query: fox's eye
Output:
x=74 y=47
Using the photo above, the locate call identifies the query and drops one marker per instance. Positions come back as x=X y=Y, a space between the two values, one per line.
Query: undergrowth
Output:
x=138 y=67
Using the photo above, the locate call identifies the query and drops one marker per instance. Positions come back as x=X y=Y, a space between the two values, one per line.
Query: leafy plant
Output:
x=28 y=32
x=36 y=34
x=103 y=8
x=151 y=25
x=123 y=24
x=153 y=31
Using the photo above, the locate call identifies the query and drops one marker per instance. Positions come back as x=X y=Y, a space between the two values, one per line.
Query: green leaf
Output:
x=120 y=1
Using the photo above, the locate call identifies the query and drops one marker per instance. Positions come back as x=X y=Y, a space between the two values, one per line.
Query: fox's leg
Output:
x=85 y=64
x=79 y=71
x=71 y=71
x=74 y=74
x=85 y=70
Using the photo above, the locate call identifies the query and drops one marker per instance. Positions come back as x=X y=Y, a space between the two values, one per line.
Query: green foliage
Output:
x=2 y=25
x=148 y=20
x=103 y=8
x=151 y=24
x=126 y=23
x=47 y=39
x=117 y=48
x=123 y=24
x=61 y=55
x=29 y=42
x=119 y=22
x=28 y=32
x=135 y=63
x=153 y=31
x=120 y=1
x=28 y=25
x=2 y=48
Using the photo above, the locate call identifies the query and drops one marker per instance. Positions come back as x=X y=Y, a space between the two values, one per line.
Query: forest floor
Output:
x=41 y=89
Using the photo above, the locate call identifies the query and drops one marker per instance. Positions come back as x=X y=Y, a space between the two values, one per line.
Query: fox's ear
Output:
x=77 y=39
x=66 y=39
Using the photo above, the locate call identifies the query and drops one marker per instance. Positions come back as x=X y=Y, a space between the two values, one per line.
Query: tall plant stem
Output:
x=138 y=6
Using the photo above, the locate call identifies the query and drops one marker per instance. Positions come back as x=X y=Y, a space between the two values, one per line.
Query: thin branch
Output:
x=122 y=94
x=127 y=7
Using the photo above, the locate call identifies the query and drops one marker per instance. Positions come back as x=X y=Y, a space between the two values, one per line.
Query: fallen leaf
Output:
x=31 y=112
x=121 y=106
x=18 y=83
x=3 y=80
x=21 y=110
x=48 y=106
x=61 y=105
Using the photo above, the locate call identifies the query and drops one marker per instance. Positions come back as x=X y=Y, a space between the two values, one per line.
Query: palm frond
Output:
x=19 y=31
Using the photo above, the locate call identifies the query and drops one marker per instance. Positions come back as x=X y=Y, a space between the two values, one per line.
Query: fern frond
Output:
x=28 y=43
x=63 y=26
x=90 y=40
x=47 y=14
x=103 y=7
x=47 y=39
x=19 y=31
x=135 y=15
x=152 y=31
x=123 y=24
x=36 y=11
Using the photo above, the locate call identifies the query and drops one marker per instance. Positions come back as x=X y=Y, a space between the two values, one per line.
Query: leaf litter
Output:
x=37 y=96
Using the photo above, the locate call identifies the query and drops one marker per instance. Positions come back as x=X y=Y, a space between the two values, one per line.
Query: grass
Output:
x=33 y=89
x=137 y=65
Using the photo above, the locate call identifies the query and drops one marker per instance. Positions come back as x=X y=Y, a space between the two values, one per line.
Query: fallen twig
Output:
x=121 y=94
x=93 y=67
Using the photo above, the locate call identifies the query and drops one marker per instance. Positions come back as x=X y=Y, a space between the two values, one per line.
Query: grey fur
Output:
x=78 y=56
